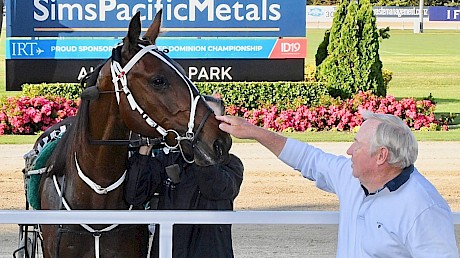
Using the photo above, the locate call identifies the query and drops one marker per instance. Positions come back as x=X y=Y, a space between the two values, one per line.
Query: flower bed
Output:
x=343 y=115
x=25 y=115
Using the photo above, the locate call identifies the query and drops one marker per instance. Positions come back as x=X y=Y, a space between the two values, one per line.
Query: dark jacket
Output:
x=198 y=188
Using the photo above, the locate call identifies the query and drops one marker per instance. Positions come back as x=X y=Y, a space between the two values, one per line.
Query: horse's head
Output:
x=156 y=99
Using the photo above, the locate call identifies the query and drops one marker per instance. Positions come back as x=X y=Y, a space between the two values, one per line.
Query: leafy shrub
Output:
x=310 y=73
x=65 y=90
x=387 y=77
x=352 y=63
x=256 y=94
x=253 y=95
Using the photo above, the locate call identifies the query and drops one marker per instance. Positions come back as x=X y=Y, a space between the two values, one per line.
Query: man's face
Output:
x=363 y=163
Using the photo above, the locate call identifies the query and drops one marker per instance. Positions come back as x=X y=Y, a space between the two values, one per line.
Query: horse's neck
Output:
x=104 y=159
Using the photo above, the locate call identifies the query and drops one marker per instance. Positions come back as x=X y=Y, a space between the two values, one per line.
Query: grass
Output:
x=422 y=64
x=452 y=135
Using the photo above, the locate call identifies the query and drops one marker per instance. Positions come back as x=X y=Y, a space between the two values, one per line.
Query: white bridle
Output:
x=119 y=74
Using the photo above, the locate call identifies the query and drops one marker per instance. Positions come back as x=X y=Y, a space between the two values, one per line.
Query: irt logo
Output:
x=287 y=47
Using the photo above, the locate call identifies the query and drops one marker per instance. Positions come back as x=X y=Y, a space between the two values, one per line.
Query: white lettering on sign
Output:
x=455 y=14
x=24 y=49
x=290 y=47
x=214 y=73
x=257 y=11
x=83 y=72
x=249 y=48
x=64 y=49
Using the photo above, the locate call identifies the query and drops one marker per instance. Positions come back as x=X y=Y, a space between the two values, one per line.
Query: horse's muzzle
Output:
x=219 y=153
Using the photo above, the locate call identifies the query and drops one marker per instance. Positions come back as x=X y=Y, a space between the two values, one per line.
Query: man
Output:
x=183 y=186
x=387 y=208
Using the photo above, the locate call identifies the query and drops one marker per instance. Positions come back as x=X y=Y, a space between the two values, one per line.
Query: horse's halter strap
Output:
x=120 y=74
x=96 y=232
x=97 y=188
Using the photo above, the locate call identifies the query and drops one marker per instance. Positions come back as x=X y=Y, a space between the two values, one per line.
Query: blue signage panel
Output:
x=184 y=18
x=185 y=48
x=442 y=13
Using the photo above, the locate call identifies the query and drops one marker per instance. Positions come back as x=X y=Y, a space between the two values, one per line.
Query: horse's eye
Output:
x=159 y=82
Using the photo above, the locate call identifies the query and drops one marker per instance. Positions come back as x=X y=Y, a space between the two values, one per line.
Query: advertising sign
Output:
x=326 y=13
x=65 y=70
x=182 y=48
x=56 y=40
x=398 y=12
x=442 y=13
x=184 y=18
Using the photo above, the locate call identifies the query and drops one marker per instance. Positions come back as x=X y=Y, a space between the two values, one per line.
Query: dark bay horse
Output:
x=139 y=89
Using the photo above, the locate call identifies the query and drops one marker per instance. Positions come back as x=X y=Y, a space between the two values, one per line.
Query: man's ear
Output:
x=382 y=155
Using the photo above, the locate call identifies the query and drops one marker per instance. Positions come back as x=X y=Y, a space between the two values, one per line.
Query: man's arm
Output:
x=242 y=129
x=432 y=234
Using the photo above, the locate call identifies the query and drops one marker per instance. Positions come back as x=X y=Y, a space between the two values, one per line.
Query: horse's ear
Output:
x=154 y=29
x=134 y=30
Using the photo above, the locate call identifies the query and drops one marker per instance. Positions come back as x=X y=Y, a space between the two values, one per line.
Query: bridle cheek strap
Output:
x=120 y=74
x=191 y=122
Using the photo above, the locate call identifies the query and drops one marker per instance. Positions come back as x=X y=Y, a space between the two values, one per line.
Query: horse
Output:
x=140 y=90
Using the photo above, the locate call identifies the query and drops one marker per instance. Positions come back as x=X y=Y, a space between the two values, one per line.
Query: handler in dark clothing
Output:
x=190 y=187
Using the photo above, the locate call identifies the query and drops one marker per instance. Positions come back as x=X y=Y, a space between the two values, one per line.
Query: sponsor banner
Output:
x=290 y=48
x=184 y=18
x=399 y=12
x=442 y=13
x=72 y=71
x=320 y=13
x=326 y=13
x=189 y=48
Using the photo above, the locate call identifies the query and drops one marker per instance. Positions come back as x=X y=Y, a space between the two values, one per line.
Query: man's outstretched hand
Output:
x=241 y=128
x=237 y=126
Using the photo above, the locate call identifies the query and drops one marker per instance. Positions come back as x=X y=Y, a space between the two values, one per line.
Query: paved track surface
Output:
x=260 y=167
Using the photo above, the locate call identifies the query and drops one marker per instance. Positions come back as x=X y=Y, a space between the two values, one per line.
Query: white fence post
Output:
x=166 y=240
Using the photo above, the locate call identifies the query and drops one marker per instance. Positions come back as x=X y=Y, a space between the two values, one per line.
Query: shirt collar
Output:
x=396 y=182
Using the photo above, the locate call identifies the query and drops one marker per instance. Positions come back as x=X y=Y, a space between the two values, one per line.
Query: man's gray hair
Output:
x=393 y=134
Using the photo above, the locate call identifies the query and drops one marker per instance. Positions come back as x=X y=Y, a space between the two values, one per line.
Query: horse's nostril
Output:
x=218 y=149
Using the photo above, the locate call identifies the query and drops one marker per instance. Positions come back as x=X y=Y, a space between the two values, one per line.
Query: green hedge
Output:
x=66 y=90
x=252 y=95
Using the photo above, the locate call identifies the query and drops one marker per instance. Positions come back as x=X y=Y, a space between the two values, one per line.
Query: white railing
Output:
x=167 y=219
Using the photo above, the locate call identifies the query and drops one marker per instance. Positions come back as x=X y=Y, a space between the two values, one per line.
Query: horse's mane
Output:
x=76 y=134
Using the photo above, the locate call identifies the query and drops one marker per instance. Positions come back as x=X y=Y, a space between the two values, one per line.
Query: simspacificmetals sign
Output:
x=76 y=34
x=183 y=18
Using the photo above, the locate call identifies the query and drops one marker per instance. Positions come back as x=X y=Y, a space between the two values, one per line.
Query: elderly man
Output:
x=387 y=208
